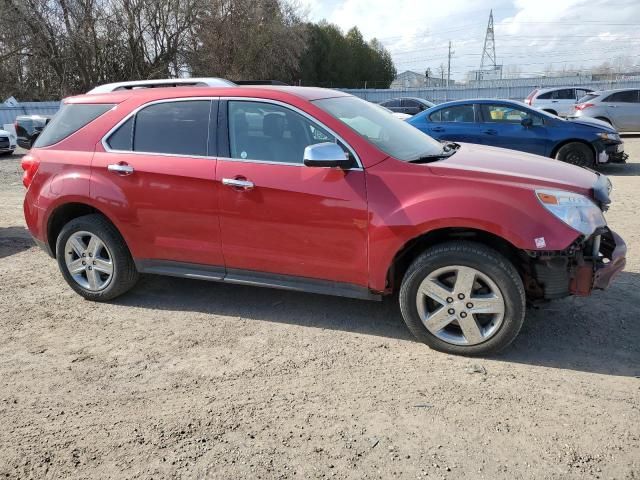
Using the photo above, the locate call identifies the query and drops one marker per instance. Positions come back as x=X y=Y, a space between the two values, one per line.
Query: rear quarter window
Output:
x=70 y=119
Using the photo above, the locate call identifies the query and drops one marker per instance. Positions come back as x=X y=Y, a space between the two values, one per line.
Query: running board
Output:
x=258 y=279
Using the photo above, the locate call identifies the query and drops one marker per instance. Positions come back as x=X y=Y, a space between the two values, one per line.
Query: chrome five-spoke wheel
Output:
x=460 y=305
x=463 y=297
x=88 y=261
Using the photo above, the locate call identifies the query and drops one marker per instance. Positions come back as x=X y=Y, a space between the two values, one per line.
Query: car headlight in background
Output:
x=609 y=136
x=577 y=211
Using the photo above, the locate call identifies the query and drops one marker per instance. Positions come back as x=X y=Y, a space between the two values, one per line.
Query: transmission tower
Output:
x=488 y=61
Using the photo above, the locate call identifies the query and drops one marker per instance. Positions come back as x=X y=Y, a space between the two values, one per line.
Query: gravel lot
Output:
x=182 y=378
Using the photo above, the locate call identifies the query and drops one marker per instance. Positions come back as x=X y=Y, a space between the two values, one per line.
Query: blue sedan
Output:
x=508 y=124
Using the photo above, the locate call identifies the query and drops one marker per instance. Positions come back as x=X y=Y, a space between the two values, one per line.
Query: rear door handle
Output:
x=437 y=129
x=239 y=183
x=491 y=131
x=120 y=168
x=612 y=106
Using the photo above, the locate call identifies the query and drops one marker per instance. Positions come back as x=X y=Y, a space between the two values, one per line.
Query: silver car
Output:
x=620 y=108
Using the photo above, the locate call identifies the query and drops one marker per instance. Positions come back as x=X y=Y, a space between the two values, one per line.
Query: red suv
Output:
x=318 y=191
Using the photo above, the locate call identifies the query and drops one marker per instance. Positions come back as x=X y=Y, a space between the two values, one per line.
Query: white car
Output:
x=557 y=100
x=7 y=142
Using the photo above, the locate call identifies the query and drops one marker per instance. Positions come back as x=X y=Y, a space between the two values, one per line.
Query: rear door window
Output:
x=172 y=128
x=458 y=114
x=69 y=119
x=628 y=96
x=565 y=94
x=176 y=128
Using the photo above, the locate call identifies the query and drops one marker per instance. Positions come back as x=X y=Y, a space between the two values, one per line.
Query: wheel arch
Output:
x=63 y=214
x=414 y=247
x=550 y=110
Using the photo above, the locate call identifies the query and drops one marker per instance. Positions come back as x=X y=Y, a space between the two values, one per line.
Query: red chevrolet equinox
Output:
x=318 y=191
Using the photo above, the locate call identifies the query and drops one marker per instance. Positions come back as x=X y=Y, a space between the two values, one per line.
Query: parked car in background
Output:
x=326 y=193
x=509 y=124
x=557 y=100
x=29 y=127
x=408 y=105
x=401 y=116
x=7 y=142
x=620 y=108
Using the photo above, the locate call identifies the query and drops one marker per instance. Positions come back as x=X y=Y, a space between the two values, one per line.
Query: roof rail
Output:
x=162 y=83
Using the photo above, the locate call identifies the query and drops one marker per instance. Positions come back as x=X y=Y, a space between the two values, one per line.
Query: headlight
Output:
x=577 y=211
x=609 y=136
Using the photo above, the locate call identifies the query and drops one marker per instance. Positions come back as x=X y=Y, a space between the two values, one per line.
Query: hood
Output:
x=491 y=164
x=592 y=122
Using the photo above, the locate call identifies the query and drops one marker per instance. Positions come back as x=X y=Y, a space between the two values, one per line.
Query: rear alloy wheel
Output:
x=463 y=298
x=577 y=154
x=94 y=259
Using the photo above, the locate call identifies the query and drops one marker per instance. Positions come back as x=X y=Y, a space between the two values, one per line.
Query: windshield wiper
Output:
x=448 y=149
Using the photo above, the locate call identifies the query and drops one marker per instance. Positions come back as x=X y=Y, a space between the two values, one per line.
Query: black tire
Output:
x=479 y=257
x=576 y=153
x=124 y=275
x=552 y=112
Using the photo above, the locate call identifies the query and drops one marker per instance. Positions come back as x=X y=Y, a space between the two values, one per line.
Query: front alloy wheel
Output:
x=463 y=297
x=460 y=305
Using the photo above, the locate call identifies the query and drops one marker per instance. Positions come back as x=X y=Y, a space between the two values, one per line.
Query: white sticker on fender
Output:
x=540 y=243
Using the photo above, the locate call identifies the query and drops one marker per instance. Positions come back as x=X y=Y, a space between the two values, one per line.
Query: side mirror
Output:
x=327 y=154
x=527 y=122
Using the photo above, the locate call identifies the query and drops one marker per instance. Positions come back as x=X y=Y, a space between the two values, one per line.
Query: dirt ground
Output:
x=189 y=379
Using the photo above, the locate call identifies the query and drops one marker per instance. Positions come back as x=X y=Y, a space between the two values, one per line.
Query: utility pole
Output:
x=451 y=52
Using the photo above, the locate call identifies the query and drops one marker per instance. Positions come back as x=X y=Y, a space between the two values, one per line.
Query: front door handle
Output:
x=239 y=183
x=437 y=129
x=120 y=168
x=491 y=131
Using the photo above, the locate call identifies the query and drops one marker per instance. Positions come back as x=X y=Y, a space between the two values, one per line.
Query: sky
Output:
x=535 y=35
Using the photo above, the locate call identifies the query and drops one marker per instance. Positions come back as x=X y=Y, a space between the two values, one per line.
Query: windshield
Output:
x=390 y=134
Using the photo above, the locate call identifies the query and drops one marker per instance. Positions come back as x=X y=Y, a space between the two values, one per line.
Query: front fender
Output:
x=419 y=205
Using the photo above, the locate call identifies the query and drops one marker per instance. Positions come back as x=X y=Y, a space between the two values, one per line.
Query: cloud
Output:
x=530 y=34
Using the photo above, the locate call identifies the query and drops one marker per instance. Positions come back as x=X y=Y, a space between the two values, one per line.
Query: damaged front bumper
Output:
x=599 y=270
x=587 y=265
x=611 y=152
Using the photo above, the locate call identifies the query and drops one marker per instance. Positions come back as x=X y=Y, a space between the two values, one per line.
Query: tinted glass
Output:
x=264 y=131
x=391 y=135
x=628 y=96
x=69 y=119
x=457 y=113
x=508 y=114
x=178 y=128
x=122 y=138
x=410 y=103
x=391 y=103
x=545 y=96
x=565 y=94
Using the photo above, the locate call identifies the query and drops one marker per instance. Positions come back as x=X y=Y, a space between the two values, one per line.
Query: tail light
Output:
x=30 y=165
x=529 y=99
x=582 y=106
